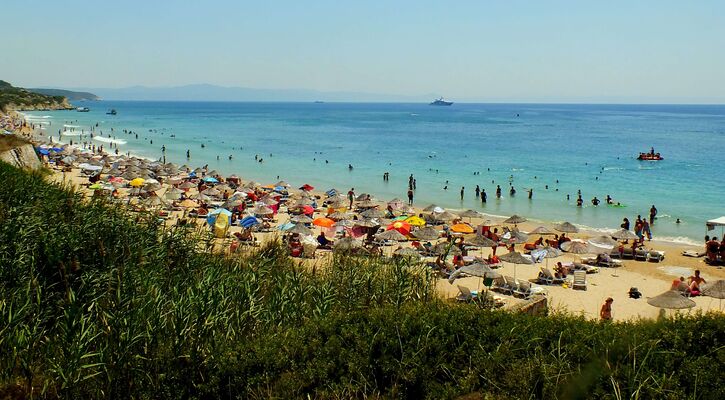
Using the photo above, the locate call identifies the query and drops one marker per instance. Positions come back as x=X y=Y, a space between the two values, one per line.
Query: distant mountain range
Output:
x=68 y=94
x=205 y=92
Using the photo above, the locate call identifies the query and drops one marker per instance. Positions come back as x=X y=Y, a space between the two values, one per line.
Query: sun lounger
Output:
x=548 y=278
x=609 y=263
x=580 y=280
x=692 y=253
x=500 y=284
x=589 y=269
x=640 y=255
x=615 y=253
x=655 y=256
x=465 y=294
x=523 y=289
x=628 y=253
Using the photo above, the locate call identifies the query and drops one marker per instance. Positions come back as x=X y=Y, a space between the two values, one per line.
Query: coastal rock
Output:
x=22 y=156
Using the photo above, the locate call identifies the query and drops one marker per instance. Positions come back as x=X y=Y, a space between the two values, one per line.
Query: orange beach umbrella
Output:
x=324 y=222
x=400 y=226
x=462 y=228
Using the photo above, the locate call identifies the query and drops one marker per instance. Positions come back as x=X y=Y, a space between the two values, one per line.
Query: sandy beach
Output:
x=651 y=278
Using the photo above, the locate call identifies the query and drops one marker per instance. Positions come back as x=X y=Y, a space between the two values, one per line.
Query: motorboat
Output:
x=83 y=109
x=441 y=102
x=111 y=112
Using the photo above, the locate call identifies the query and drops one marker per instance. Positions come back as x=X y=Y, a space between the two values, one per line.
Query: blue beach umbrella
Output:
x=43 y=152
x=210 y=179
x=248 y=222
x=286 y=226
x=211 y=218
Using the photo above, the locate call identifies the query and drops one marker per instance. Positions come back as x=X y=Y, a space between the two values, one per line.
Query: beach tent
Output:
x=221 y=225
x=213 y=215
x=711 y=224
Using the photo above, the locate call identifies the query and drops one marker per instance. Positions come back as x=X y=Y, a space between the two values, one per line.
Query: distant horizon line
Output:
x=398 y=102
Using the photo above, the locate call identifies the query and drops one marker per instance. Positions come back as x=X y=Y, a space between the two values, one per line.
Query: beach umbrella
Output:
x=283 y=184
x=514 y=219
x=482 y=241
x=262 y=210
x=415 y=220
x=345 y=223
x=671 y=299
x=231 y=203
x=218 y=211
x=391 y=234
x=324 y=222
x=211 y=192
x=155 y=201
x=187 y=185
x=366 y=223
x=363 y=196
x=346 y=244
x=137 y=182
x=201 y=196
x=189 y=204
x=301 y=219
x=445 y=248
x=430 y=208
x=624 y=234
x=366 y=204
x=286 y=226
x=462 y=228
x=400 y=226
x=396 y=204
x=300 y=229
x=152 y=187
x=268 y=200
x=407 y=252
x=248 y=222
x=515 y=258
x=542 y=230
x=477 y=269
x=514 y=236
x=444 y=216
x=471 y=214
x=716 y=289
x=603 y=241
x=550 y=252
x=340 y=215
x=213 y=173
x=427 y=233
x=576 y=247
x=566 y=227
x=372 y=213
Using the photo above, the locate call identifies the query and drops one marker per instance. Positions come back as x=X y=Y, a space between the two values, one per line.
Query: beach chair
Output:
x=589 y=269
x=640 y=255
x=609 y=263
x=465 y=294
x=627 y=253
x=655 y=256
x=580 y=280
x=499 y=285
x=549 y=278
x=523 y=289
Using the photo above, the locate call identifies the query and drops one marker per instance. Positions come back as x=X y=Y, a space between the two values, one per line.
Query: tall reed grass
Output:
x=96 y=302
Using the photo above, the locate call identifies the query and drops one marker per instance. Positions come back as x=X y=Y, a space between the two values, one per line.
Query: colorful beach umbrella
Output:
x=138 y=182
x=461 y=228
x=400 y=226
x=324 y=222
x=415 y=221
x=210 y=179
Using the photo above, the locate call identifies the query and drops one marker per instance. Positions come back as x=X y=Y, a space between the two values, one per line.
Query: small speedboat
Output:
x=650 y=157
x=83 y=109
x=111 y=112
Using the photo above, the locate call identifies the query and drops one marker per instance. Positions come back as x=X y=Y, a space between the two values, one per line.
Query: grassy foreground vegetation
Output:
x=99 y=303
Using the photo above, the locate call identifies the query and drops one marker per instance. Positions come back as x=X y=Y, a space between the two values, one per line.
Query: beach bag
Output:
x=634 y=293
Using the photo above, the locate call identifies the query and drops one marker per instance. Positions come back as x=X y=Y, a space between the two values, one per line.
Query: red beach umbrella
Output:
x=400 y=226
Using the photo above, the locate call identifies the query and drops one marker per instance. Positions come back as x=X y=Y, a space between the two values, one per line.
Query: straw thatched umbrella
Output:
x=367 y=223
x=366 y=204
x=624 y=234
x=427 y=233
x=515 y=236
x=268 y=200
x=515 y=258
x=542 y=230
x=514 y=219
x=444 y=216
x=407 y=252
x=346 y=244
x=446 y=248
x=430 y=208
x=671 y=299
x=715 y=289
x=345 y=223
x=603 y=241
x=300 y=229
x=372 y=213
x=301 y=219
x=577 y=247
x=391 y=234
x=470 y=214
x=477 y=269
x=340 y=215
x=482 y=241
x=566 y=227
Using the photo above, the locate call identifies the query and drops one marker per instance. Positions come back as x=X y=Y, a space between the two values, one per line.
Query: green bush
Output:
x=98 y=302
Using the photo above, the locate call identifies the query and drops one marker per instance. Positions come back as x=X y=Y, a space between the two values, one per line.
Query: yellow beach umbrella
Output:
x=138 y=182
x=462 y=228
x=415 y=221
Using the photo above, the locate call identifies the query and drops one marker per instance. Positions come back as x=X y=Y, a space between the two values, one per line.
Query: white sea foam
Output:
x=71 y=126
x=71 y=133
x=109 y=140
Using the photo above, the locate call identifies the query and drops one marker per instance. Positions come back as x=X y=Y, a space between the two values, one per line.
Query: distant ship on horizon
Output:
x=441 y=102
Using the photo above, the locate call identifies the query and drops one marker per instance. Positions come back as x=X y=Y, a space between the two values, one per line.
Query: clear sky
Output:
x=473 y=50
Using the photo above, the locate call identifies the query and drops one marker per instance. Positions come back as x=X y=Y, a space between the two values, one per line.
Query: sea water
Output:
x=591 y=148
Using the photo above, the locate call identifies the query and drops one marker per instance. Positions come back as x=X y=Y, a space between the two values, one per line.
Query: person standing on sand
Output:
x=605 y=313
x=351 y=196
x=410 y=197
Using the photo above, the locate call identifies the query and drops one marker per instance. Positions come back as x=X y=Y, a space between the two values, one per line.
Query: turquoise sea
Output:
x=591 y=148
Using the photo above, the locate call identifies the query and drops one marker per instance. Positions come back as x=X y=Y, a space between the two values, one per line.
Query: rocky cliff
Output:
x=18 y=153
x=14 y=98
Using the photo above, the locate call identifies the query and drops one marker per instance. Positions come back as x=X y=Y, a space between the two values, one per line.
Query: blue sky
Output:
x=470 y=50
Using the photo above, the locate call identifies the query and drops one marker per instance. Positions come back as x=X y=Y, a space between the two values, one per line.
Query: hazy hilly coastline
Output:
x=69 y=94
x=207 y=92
